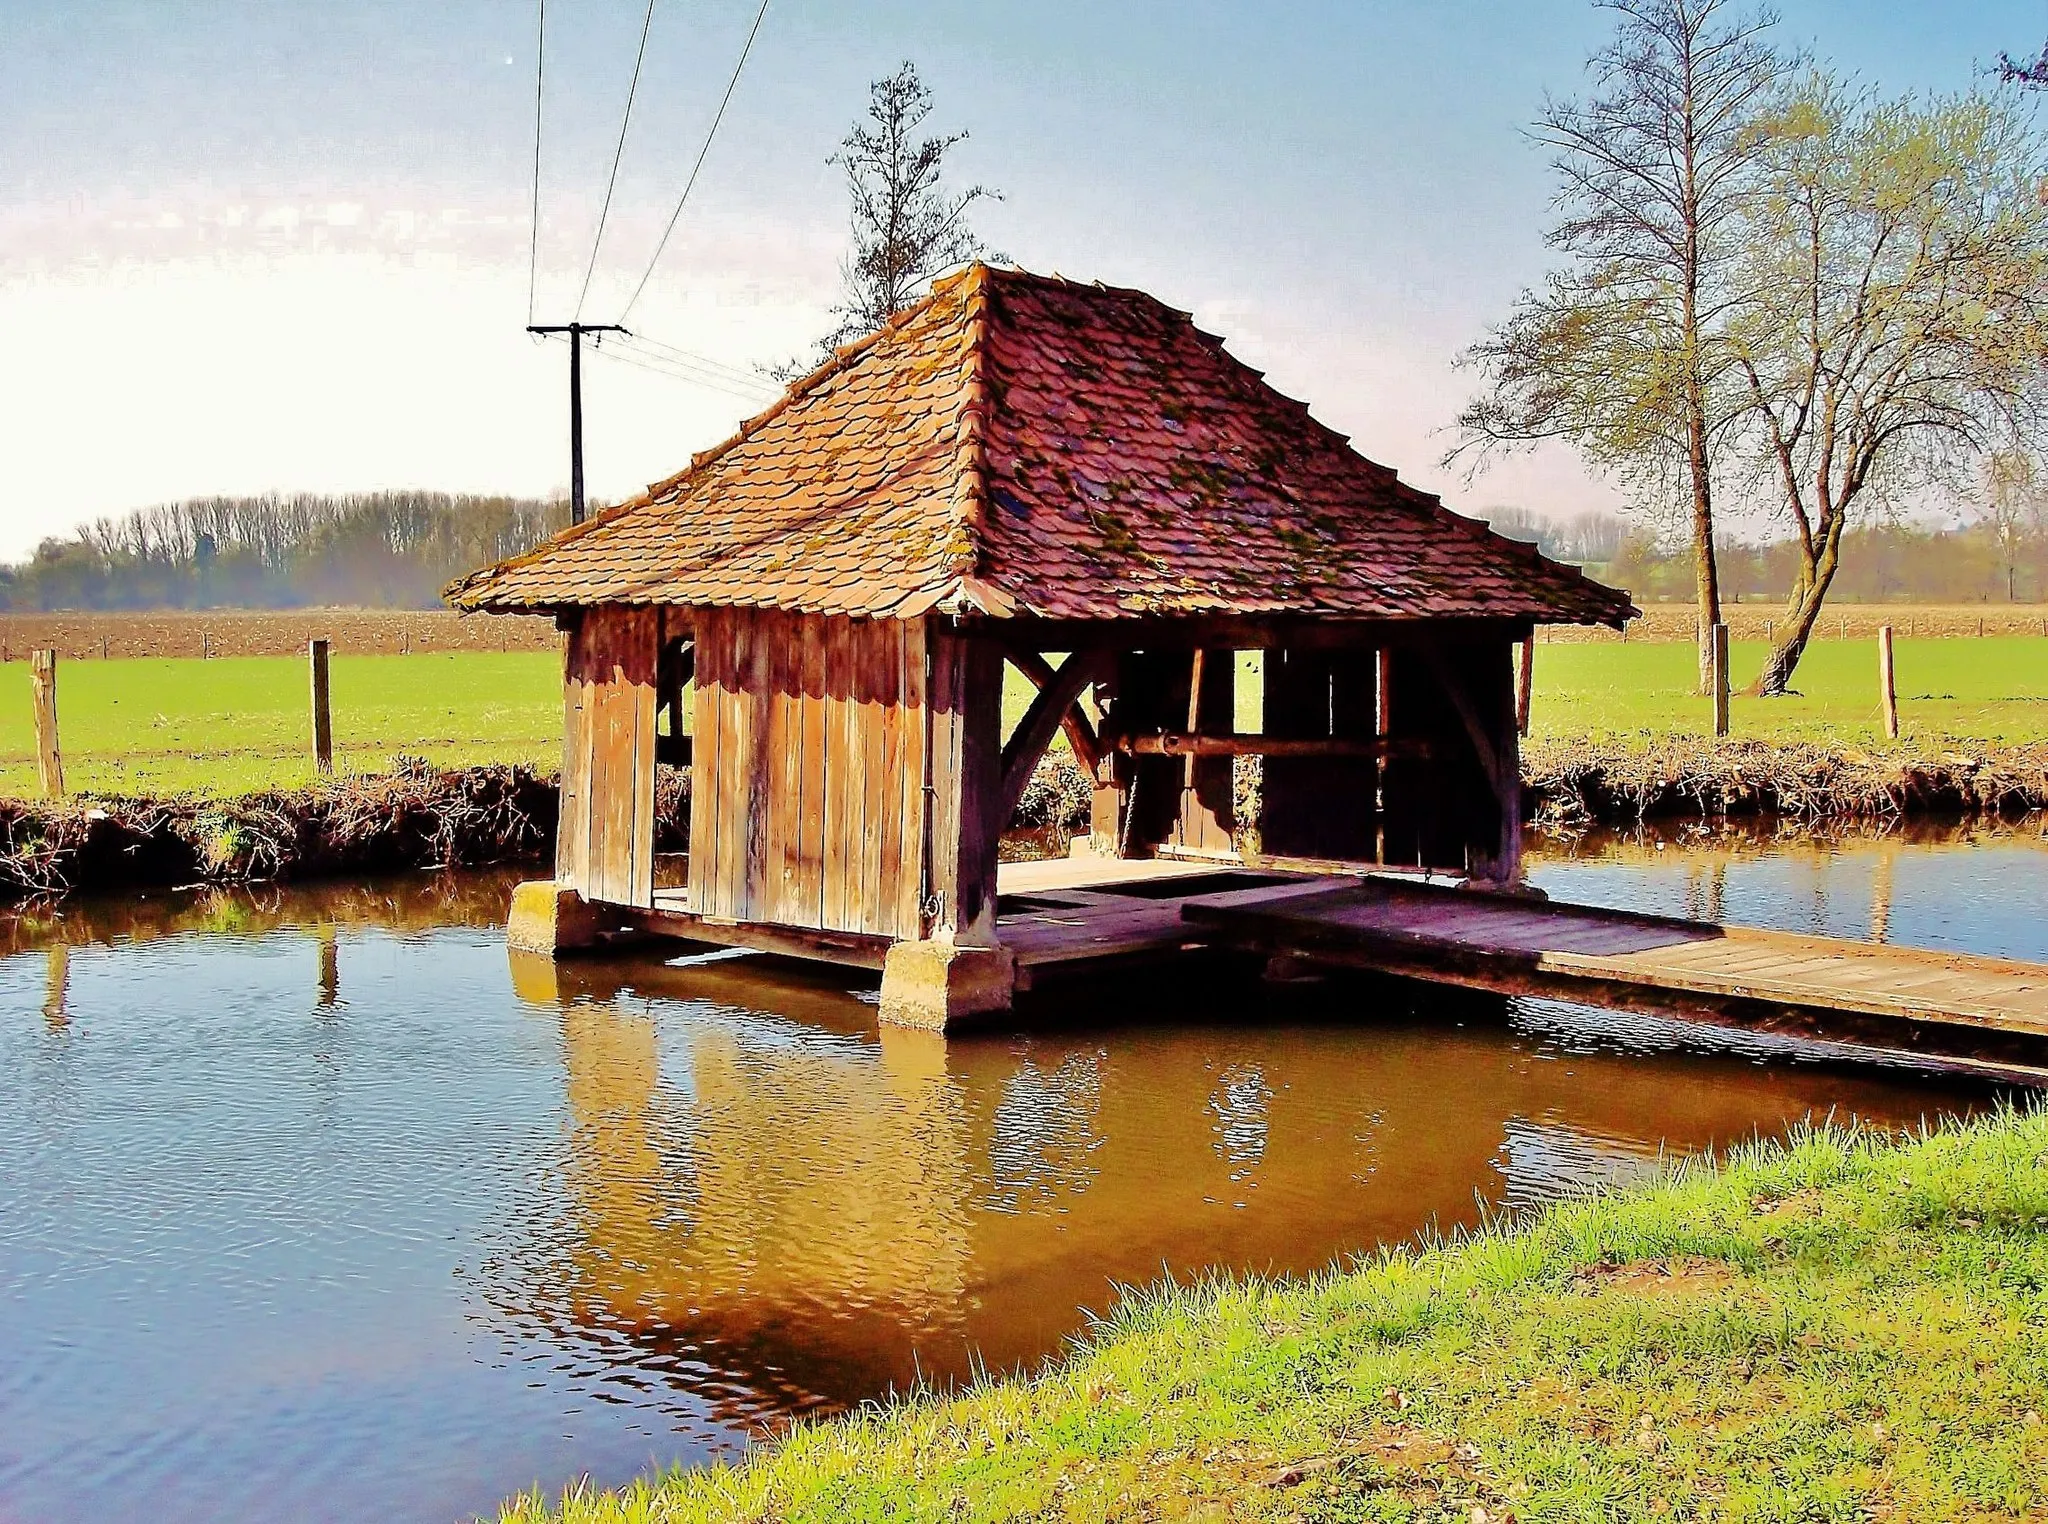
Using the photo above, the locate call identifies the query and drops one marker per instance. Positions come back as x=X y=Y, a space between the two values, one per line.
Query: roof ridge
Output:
x=970 y=452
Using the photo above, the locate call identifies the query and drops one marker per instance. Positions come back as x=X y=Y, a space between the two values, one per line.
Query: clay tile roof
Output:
x=1018 y=444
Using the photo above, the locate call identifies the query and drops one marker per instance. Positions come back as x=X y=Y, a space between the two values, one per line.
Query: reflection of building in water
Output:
x=782 y=1213
x=330 y=966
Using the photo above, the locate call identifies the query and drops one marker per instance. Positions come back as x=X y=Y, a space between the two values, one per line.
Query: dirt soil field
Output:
x=284 y=632
x=1846 y=621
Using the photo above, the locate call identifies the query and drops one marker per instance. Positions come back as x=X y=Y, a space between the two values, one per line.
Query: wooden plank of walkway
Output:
x=1525 y=946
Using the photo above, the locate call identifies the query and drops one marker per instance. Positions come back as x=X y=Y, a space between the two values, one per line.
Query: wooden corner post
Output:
x=49 y=756
x=1887 y=685
x=323 y=724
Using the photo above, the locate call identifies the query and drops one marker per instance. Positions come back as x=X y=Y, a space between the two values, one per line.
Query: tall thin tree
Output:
x=1621 y=351
x=907 y=226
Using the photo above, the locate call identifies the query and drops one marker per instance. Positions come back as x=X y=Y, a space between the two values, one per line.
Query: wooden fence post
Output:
x=323 y=726
x=43 y=674
x=1887 y=687
x=1525 y=684
x=1720 y=679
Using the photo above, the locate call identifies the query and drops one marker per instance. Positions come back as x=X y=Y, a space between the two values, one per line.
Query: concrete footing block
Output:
x=937 y=984
x=550 y=920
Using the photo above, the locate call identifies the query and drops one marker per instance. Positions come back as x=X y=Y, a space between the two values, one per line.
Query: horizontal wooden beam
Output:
x=1243 y=632
x=668 y=918
x=1181 y=743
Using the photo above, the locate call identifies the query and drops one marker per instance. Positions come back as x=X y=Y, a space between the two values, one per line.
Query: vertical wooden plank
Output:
x=762 y=772
x=645 y=693
x=49 y=753
x=612 y=794
x=785 y=769
x=707 y=727
x=840 y=825
x=945 y=703
x=323 y=721
x=742 y=739
x=879 y=678
x=572 y=826
x=809 y=803
x=910 y=781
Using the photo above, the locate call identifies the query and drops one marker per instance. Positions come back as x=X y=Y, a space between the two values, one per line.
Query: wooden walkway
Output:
x=1926 y=1001
x=1078 y=917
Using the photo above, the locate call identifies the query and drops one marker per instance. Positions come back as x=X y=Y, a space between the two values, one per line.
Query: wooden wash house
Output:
x=1068 y=481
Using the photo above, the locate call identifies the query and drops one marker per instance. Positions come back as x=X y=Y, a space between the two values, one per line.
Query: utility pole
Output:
x=575 y=331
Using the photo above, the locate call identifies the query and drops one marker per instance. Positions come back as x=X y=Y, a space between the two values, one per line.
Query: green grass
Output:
x=164 y=725
x=1845 y=1328
x=1994 y=689
x=231 y=725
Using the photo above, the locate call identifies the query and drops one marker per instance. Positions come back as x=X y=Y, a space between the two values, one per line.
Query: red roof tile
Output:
x=1019 y=444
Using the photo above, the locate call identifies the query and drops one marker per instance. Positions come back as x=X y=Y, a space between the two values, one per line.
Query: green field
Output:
x=161 y=725
x=1994 y=689
x=1846 y=1329
x=231 y=725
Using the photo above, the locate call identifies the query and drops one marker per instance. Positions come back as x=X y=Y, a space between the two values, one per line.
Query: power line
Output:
x=688 y=185
x=734 y=373
x=618 y=153
x=540 y=59
x=623 y=352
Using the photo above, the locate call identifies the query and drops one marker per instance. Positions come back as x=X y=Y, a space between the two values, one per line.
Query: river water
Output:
x=314 y=1205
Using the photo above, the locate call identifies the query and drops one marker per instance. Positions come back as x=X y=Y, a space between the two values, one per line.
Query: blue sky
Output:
x=283 y=245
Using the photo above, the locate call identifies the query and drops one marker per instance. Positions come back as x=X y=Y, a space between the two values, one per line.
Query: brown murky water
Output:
x=315 y=1206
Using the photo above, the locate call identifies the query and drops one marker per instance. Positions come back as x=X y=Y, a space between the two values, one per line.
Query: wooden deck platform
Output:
x=1082 y=916
x=1941 y=1004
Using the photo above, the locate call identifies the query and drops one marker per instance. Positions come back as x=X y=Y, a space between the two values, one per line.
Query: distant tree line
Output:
x=1999 y=557
x=364 y=550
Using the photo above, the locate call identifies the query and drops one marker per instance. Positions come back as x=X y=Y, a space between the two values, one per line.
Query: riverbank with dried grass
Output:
x=1670 y=777
x=418 y=816
x=414 y=816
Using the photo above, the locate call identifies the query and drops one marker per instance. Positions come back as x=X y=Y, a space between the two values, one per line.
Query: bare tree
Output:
x=907 y=227
x=1622 y=352
x=2015 y=510
x=1898 y=326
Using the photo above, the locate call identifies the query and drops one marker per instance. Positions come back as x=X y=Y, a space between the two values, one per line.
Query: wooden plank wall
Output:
x=808 y=800
x=604 y=843
x=1321 y=806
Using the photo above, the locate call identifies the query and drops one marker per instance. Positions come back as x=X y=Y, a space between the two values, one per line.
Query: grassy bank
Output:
x=1844 y=1329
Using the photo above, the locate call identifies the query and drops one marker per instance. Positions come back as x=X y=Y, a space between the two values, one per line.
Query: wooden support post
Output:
x=323 y=726
x=1887 y=687
x=1720 y=679
x=49 y=756
x=1525 y=685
